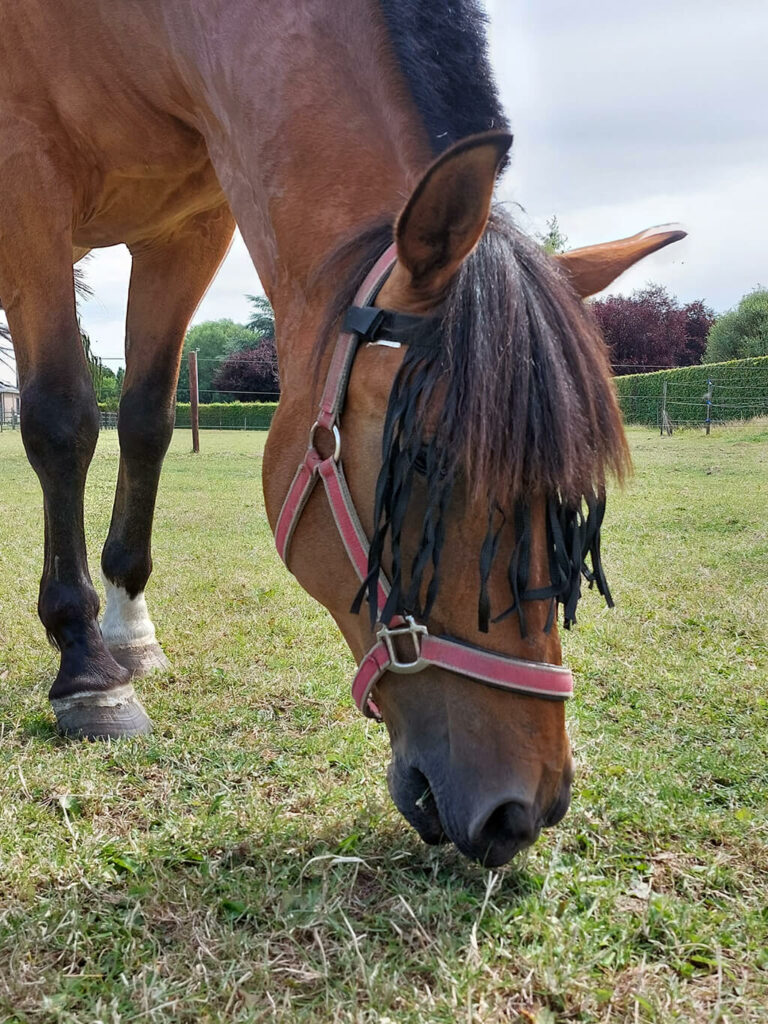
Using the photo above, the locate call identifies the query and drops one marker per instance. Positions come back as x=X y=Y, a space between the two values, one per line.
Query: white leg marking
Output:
x=126 y=621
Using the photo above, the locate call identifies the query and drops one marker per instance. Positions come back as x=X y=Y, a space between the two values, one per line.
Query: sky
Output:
x=625 y=115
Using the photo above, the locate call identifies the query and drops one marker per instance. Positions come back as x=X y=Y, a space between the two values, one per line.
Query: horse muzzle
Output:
x=489 y=827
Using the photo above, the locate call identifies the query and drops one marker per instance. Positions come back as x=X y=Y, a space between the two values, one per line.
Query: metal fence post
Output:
x=709 y=404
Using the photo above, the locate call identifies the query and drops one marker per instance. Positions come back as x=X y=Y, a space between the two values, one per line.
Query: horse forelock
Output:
x=529 y=403
x=516 y=405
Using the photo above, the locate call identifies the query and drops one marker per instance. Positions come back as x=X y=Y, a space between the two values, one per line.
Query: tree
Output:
x=742 y=332
x=95 y=366
x=262 y=319
x=109 y=387
x=250 y=375
x=652 y=329
x=553 y=240
x=699 y=318
x=214 y=341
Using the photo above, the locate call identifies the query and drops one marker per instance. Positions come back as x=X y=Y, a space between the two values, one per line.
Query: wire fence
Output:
x=675 y=407
x=9 y=416
x=212 y=416
x=691 y=396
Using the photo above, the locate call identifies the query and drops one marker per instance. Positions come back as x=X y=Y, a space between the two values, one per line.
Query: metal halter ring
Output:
x=336 y=439
x=416 y=633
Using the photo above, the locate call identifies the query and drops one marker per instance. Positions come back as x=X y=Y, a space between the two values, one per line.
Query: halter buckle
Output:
x=336 y=438
x=416 y=633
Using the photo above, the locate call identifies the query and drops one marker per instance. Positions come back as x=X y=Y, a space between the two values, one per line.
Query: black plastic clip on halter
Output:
x=371 y=324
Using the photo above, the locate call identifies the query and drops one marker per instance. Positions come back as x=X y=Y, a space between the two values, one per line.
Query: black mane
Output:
x=442 y=50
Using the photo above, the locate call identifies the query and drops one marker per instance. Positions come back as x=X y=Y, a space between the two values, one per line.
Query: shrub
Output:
x=651 y=328
x=740 y=391
x=250 y=374
x=742 y=333
x=239 y=415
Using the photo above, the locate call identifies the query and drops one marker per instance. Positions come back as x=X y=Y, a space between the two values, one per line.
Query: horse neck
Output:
x=311 y=131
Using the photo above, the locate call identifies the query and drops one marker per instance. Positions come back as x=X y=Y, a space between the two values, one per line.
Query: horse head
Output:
x=475 y=419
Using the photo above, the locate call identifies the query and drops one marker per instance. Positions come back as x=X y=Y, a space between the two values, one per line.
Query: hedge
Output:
x=227 y=415
x=739 y=391
x=234 y=415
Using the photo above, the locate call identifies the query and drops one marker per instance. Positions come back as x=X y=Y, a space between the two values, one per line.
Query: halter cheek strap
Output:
x=364 y=322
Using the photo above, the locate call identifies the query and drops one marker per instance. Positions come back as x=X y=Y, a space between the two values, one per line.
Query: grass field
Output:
x=245 y=862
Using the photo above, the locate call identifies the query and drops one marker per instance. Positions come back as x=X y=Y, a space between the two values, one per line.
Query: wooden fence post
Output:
x=194 y=410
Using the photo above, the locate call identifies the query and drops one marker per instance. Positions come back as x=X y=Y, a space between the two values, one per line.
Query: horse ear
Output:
x=595 y=266
x=446 y=215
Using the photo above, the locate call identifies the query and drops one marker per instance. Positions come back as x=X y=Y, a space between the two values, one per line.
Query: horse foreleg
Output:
x=92 y=695
x=168 y=279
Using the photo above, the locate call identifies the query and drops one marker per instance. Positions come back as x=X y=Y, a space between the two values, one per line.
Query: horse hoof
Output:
x=112 y=714
x=140 y=659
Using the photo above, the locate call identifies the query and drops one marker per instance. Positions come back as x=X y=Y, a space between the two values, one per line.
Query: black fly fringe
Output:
x=573 y=536
x=406 y=457
x=508 y=395
x=573 y=531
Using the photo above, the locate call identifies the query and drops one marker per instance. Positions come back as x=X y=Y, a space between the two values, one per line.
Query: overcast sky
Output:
x=625 y=115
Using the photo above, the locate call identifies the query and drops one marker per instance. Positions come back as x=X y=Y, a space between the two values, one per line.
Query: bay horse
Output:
x=469 y=422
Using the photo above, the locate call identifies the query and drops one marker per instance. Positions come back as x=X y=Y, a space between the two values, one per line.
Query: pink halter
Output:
x=527 y=677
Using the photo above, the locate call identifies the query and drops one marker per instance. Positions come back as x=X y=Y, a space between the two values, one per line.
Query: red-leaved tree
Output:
x=250 y=375
x=651 y=329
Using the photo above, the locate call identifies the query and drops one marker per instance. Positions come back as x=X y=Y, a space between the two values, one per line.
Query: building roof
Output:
x=8 y=388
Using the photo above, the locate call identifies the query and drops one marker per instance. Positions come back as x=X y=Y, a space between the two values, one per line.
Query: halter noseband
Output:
x=366 y=322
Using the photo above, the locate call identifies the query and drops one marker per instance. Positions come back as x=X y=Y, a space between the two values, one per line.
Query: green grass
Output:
x=245 y=862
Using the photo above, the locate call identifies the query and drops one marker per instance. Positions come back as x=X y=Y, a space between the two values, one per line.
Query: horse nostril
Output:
x=559 y=808
x=511 y=823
